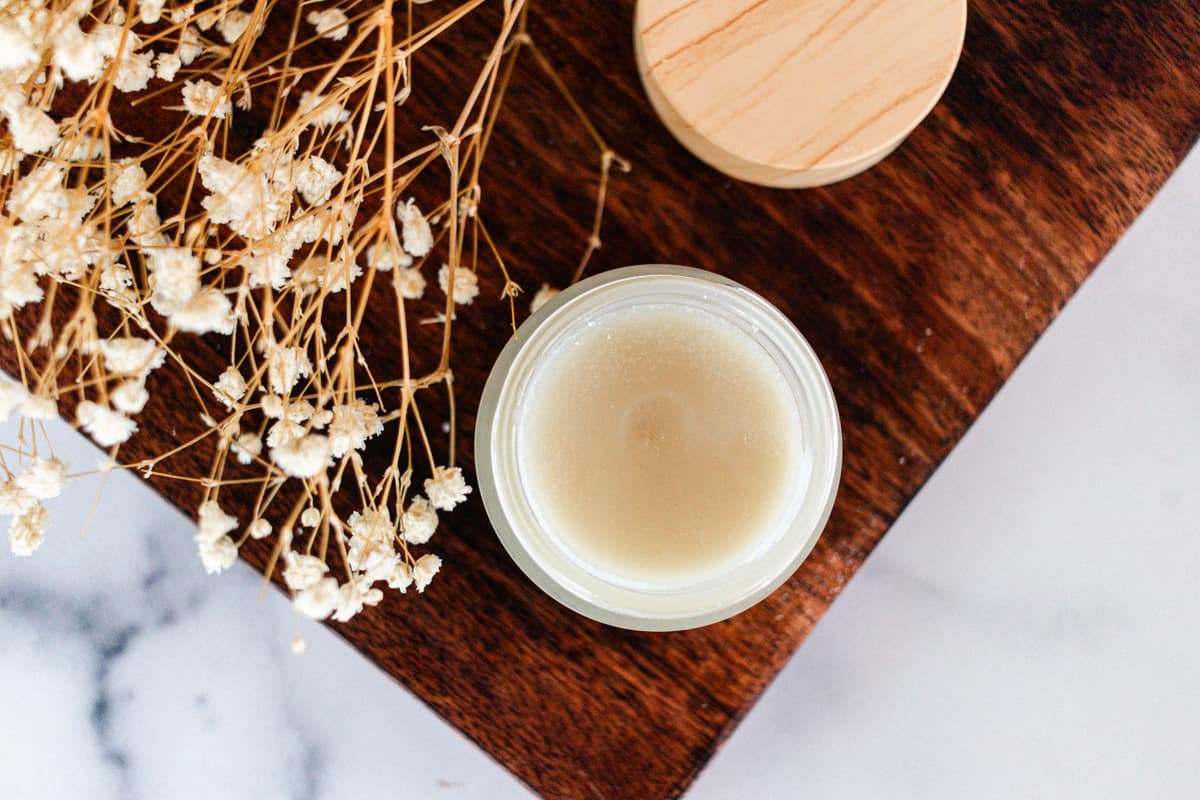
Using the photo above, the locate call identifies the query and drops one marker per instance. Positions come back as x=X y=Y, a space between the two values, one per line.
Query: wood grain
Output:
x=920 y=284
x=789 y=94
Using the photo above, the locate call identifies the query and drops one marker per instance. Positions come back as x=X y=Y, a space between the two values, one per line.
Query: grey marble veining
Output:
x=125 y=672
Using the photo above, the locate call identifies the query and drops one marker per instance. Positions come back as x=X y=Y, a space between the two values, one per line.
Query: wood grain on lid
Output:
x=796 y=92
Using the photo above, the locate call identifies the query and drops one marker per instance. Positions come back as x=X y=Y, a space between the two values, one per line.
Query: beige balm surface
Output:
x=658 y=448
x=660 y=443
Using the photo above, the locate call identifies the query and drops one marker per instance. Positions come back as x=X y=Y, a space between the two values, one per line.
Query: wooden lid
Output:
x=793 y=93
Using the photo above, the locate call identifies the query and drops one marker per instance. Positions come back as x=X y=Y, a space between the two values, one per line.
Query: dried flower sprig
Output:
x=167 y=171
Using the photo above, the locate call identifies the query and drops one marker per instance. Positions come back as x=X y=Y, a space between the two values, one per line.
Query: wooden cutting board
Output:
x=920 y=284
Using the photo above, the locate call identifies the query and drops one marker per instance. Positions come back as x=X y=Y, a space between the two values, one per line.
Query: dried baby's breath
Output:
x=168 y=171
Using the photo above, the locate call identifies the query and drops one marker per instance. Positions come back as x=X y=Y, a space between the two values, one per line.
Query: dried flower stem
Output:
x=246 y=174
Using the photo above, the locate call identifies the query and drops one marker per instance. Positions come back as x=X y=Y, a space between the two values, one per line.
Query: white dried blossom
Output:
x=217 y=555
x=272 y=406
x=245 y=199
x=303 y=457
x=420 y=521
x=213 y=522
x=302 y=571
x=418 y=238
x=372 y=552
x=17 y=288
x=207 y=18
x=150 y=10
x=233 y=24
x=24 y=259
x=16 y=46
x=26 y=531
x=373 y=525
x=373 y=562
x=401 y=577
x=116 y=281
x=544 y=295
x=319 y=600
x=315 y=178
x=43 y=479
x=286 y=366
x=130 y=396
x=14 y=499
x=209 y=311
x=77 y=54
x=175 y=274
x=319 y=271
x=134 y=71
x=130 y=181
x=447 y=488
x=331 y=23
x=466 y=284
x=12 y=395
x=298 y=411
x=310 y=517
x=230 y=387
x=190 y=46
x=352 y=424
x=328 y=111
x=202 y=98
x=411 y=283
x=166 y=65
x=145 y=228
x=41 y=194
x=84 y=148
x=247 y=447
x=288 y=428
x=259 y=529
x=10 y=159
x=108 y=37
x=267 y=269
x=32 y=130
x=217 y=550
x=386 y=255
x=105 y=426
x=423 y=571
x=337 y=221
x=127 y=355
x=284 y=432
x=39 y=407
x=298 y=232
x=353 y=596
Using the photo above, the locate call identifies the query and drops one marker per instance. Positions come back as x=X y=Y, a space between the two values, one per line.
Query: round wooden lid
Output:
x=793 y=93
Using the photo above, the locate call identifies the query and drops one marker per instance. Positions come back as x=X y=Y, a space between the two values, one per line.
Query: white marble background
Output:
x=1027 y=629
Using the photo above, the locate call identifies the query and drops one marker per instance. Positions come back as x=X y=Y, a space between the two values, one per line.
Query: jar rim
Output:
x=571 y=583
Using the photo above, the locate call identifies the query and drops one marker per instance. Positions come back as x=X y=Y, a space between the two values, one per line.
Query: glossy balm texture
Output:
x=660 y=443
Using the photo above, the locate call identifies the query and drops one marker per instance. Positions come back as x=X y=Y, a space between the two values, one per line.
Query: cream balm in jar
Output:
x=658 y=448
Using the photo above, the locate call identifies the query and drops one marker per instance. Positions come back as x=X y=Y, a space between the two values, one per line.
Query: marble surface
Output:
x=1025 y=630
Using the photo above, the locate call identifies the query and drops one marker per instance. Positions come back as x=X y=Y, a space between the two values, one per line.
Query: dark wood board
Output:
x=920 y=284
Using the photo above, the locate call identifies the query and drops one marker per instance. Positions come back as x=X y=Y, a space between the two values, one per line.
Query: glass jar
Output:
x=548 y=561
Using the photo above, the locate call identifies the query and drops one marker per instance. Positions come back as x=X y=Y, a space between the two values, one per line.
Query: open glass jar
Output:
x=549 y=559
